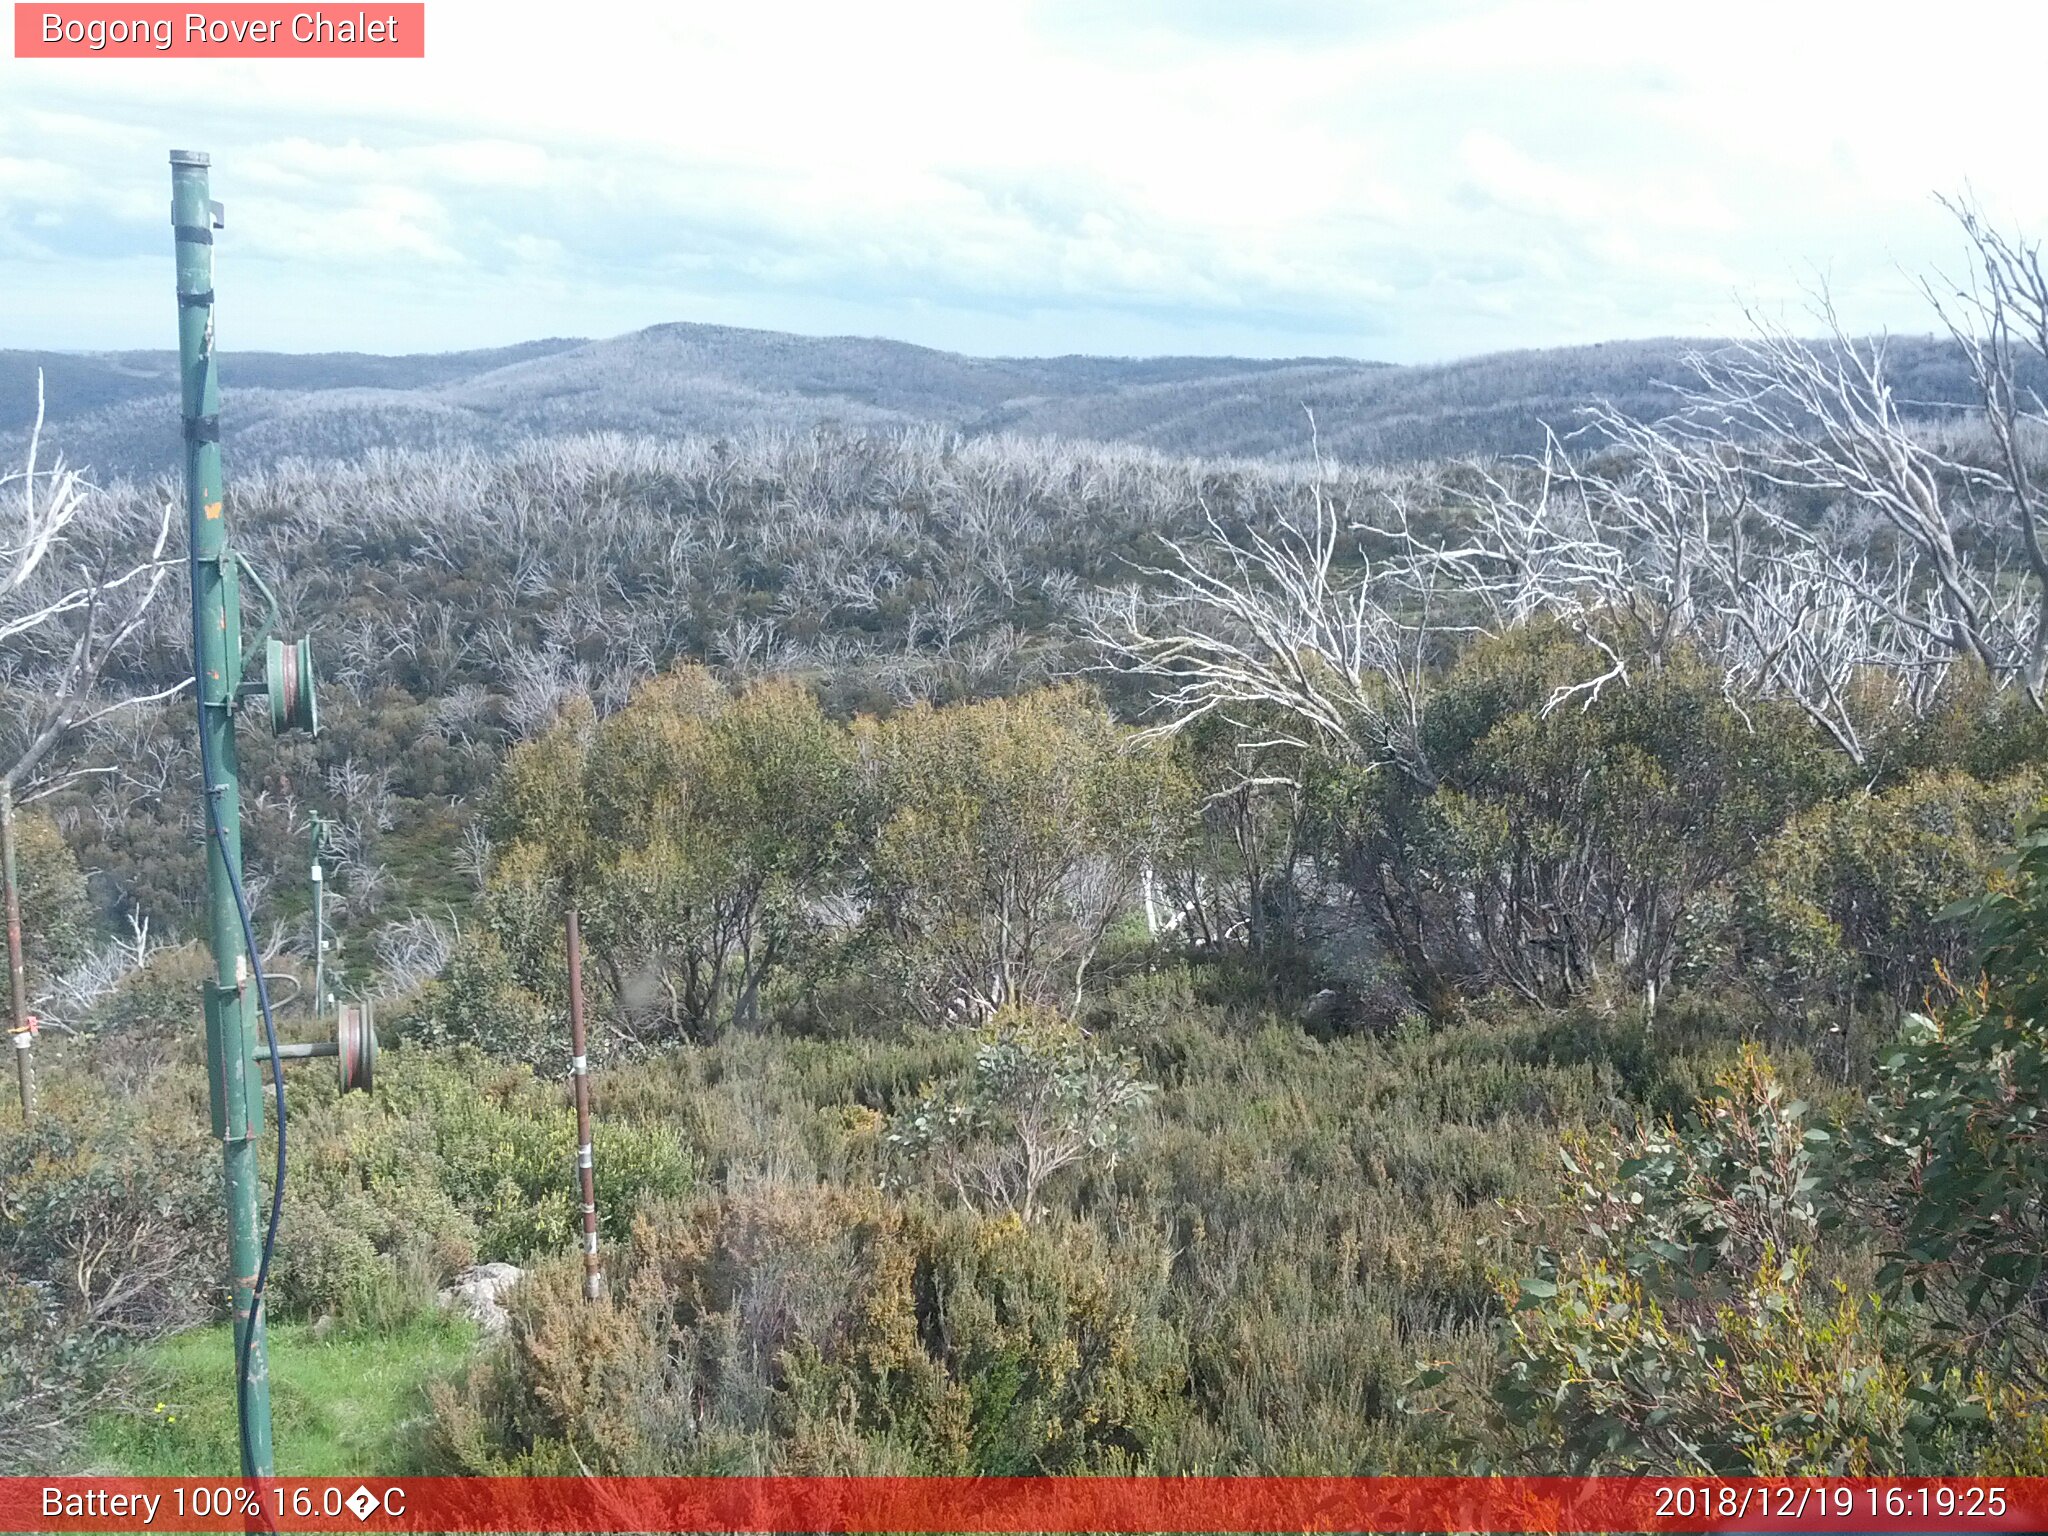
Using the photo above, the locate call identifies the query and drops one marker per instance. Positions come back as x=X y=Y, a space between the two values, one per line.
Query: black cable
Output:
x=277 y=1084
x=213 y=791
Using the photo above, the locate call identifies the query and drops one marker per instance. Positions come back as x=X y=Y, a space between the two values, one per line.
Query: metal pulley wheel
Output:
x=288 y=678
x=355 y=1041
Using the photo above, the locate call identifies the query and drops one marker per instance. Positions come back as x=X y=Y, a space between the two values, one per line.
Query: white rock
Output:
x=477 y=1292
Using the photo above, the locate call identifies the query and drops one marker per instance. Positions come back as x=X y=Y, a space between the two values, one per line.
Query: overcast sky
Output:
x=1408 y=180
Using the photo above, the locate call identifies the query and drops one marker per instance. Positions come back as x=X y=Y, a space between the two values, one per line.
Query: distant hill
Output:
x=117 y=411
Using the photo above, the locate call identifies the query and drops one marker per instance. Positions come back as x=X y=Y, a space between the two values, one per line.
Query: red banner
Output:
x=228 y=31
x=1020 y=1504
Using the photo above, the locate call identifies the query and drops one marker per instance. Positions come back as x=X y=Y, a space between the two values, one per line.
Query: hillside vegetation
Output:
x=964 y=1170
x=1099 y=960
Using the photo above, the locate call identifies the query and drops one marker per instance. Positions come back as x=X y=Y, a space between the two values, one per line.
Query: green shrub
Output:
x=323 y=1257
x=1953 y=1155
x=500 y=1146
x=578 y=1387
x=58 y=921
x=1776 y=1376
x=1008 y=840
x=1056 y=1341
x=1554 y=845
x=1852 y=897
x=159 y=1001
x=109 y=1207
x=1042 y=1097
x=697 y=829
x=455 y=1159
x=1696 y=1324
x=478 y=1001
x=821 y=1329
x=55 y=1372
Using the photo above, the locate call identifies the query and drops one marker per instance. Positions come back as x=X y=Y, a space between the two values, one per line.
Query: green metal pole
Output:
x=237 y=1087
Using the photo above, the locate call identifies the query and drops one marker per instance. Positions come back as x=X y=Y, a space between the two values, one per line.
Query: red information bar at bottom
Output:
x=377 y=29
x=1021 y=1504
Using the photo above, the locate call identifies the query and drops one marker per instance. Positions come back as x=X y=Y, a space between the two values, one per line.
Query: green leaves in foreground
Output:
x=1958 y=1139
x=1691 y=1318
x=1704 y=1300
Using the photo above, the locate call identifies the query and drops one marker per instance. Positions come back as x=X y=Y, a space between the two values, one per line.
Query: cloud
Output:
x=1415 y=180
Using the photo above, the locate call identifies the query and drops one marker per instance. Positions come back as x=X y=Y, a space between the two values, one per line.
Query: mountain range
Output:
x=116 y=412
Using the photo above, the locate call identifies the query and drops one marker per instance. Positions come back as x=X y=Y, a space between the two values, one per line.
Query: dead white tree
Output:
x=415 y=949
x=1665 y=534
x=1826 y=418
x=73 y=594
x=1689 y=529
x=69 y=601
x=1997 y=316
x=539 y=682
x=1273 y=627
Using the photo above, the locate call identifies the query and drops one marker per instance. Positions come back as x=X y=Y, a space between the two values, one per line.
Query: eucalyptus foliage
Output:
x=1958 y=1145
x=1041 y=1097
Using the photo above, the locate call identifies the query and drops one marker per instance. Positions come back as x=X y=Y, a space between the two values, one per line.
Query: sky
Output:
x=1407 y=180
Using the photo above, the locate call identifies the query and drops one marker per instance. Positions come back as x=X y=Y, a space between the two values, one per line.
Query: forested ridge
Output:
x=1106 y=961
x=117 y=411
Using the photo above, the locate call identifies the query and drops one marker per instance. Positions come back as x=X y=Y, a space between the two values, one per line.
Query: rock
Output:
x=477 y=1293
x=1325 y=1011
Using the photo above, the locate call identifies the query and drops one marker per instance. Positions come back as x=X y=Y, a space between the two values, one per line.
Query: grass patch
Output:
x=341 y=1406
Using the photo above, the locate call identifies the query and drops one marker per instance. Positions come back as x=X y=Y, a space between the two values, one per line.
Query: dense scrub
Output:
x=1015 y=1059
x=1356 y=1253
x=992 y=1087
x=739 y=856
x=1285 y=1227
x=458 y=601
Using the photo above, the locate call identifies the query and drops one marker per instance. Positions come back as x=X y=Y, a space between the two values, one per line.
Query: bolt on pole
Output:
x=579 y=1073
x=236 y=1087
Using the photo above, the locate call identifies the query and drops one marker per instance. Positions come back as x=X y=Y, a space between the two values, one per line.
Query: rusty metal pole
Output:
x=319 y=919
x=17 y=972
x=579 y=1073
